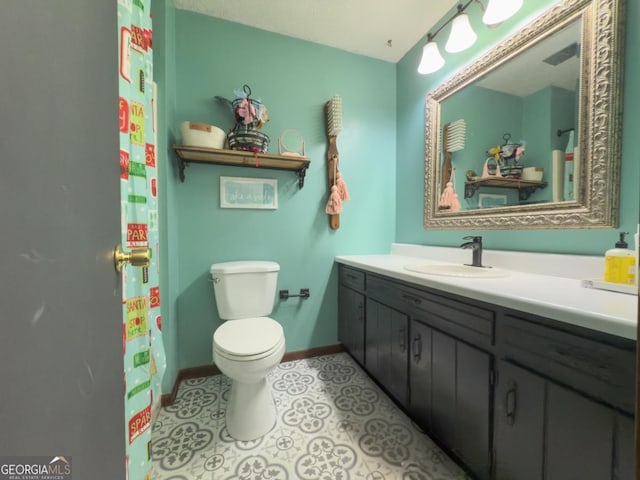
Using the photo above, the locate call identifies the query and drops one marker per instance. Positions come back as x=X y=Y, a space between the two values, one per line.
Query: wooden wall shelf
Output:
x=187 y=154
x=525 y=187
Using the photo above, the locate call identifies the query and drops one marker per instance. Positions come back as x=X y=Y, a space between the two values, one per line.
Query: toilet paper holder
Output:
x=304 y=293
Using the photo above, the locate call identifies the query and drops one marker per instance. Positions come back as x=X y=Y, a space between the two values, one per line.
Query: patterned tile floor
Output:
x=333 y=423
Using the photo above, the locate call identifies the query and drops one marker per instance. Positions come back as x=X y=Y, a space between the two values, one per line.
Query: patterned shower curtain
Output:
x=144 y=358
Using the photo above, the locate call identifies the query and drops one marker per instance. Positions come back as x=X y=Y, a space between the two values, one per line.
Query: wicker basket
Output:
x=247 y=139
x=511 y=171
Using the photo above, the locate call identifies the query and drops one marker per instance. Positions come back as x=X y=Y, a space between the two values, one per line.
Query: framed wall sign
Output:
x=490 y=200
x=241 y=192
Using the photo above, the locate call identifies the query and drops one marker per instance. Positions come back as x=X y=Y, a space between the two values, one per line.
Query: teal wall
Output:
x=294 y=79
x=382 y=158
x=412 y=89
x=550 y=106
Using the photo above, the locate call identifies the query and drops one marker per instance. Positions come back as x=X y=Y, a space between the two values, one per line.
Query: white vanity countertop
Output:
x=547 y=285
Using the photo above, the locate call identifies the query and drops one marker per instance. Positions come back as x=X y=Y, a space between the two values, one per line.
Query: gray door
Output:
x=61 y=373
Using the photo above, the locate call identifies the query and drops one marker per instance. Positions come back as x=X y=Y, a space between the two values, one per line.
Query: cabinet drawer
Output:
x=352 y=278
x=601 y=370
x=462 y=319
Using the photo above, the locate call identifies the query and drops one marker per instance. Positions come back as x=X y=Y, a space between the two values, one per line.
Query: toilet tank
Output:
x=244 y=289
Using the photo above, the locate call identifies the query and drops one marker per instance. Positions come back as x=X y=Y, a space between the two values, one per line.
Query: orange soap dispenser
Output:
x=620 y=263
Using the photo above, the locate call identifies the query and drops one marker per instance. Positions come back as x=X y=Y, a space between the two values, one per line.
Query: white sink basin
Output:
x=456 y=270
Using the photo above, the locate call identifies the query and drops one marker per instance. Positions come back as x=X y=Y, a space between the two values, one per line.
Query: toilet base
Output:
x=251 y=410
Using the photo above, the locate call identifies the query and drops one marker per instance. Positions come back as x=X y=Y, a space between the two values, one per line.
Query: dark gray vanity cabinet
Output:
x=624 y=463
x=418 y=341
x=386 y=346
x=564 y=404
x=351 y=312
x=450 y=394
x=544 y=430
x=512 y=396
x=420 y=367
x=519 y=439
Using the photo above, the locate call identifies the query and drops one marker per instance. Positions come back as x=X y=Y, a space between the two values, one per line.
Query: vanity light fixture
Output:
x=462 y=35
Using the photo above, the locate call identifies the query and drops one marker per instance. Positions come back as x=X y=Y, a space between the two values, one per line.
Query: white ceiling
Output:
x=364 y=27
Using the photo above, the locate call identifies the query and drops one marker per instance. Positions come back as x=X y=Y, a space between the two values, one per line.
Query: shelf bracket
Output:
x=525 y=192
x=301 y=175
x=181 y=166
x=470 y=189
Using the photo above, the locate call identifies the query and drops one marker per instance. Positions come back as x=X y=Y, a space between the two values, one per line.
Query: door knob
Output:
x=138 y=257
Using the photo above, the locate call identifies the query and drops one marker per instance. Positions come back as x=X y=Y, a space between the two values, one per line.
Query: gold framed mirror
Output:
x=554 y=89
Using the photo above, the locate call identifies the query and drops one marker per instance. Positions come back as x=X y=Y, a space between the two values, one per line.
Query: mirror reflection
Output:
x=542 y=109
x=511 y=137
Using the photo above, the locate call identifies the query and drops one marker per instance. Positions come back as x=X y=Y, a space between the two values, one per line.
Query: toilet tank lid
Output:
x=244 y=266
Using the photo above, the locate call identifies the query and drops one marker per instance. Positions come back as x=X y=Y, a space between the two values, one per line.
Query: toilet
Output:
x=249 y=344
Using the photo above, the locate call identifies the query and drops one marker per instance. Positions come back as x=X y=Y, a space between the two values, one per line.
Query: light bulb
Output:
x=499 y=10
x=431 y=60
x=462 y=35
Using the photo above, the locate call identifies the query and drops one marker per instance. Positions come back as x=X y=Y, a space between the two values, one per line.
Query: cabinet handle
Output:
x=511 y=402
x=416 y=348
x=403 y=341
x=412 y=299
x=360 y=312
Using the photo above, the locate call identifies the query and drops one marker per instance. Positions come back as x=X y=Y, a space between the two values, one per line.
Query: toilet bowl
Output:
x=251 y=410
x=248 y=345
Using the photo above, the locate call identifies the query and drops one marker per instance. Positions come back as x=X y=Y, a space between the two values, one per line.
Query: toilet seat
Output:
x=248 y=338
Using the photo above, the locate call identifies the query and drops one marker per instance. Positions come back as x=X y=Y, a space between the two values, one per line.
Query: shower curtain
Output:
x=144 y=358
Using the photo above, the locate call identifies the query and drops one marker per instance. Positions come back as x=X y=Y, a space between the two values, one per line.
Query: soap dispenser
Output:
x=620 y=263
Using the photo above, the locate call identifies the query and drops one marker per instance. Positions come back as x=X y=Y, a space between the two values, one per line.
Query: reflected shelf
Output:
x=525 y=187
x=187 y=154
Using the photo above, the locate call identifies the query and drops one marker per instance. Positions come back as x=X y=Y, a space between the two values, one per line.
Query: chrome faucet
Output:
x=475 y=244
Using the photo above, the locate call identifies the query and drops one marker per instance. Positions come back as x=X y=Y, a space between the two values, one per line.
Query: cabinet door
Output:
x=624 y=459
x=374 y=336
x=386 y=348
x=399 y=368
x=578 y=436
x=351 y=322
x=443 y=385
x=473 y=409
x=420 y=374
x=545 y=430
x=519 y=400
x=461 y=400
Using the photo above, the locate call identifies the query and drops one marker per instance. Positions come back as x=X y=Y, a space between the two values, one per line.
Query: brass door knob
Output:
x=138 y=257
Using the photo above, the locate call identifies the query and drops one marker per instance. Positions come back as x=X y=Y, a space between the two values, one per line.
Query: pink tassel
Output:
x=446 y=199
x=455 y=205
x=342 y=188
x=449 y=199
x=334 y=205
